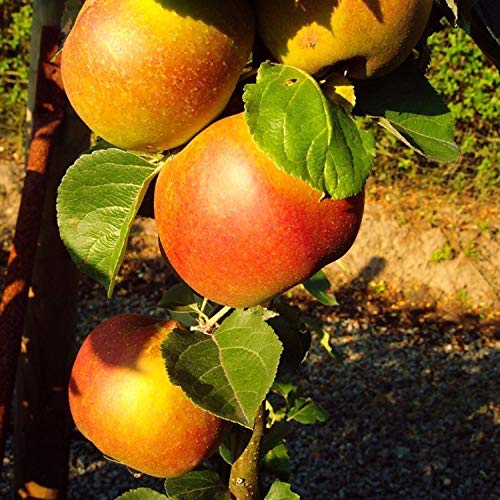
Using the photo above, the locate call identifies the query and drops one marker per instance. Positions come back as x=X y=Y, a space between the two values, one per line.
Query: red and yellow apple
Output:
x=122 y=400
x=147 y=75
x=369 y=37
x=236 y=228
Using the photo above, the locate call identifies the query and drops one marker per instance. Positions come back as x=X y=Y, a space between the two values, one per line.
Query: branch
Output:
x=244 y=480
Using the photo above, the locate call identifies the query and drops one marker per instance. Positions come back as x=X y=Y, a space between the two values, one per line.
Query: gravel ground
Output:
x=414 y=408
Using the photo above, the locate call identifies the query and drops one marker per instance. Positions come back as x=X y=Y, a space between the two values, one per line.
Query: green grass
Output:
x=15 y=24
x=446 y=252
x=469 y=84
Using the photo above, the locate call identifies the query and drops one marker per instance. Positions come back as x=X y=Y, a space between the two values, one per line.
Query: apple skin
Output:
x=122 y=400
x=148 y=75
x=236 y=228
x=371 y=37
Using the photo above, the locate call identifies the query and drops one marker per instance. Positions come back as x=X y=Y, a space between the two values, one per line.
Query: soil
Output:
x=11 y=182
x=414 y=406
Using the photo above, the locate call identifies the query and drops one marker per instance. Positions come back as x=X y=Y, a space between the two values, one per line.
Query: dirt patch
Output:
x=11 y=178
x=445 y=251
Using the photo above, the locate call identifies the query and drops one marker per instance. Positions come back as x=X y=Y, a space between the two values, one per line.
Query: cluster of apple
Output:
x=148 y=76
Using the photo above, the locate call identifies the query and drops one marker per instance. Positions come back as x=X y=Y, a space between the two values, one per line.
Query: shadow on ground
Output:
x=414 y=407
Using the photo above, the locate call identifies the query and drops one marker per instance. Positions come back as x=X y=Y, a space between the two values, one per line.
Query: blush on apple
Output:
x=122 y=400
x=236 y=228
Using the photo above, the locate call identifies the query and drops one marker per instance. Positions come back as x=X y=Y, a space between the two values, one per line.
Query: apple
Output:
x=239 y=230
x=369 y=38
x=148 y=75
x=122 y=400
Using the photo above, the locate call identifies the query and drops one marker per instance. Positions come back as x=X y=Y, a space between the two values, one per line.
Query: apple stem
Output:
x=217 y=316
x=212 y=322
x=247 y=75
x=244 y=479
x=203 y=304
x=202 y=317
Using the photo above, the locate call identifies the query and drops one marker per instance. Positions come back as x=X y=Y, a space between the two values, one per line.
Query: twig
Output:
x=209 y=325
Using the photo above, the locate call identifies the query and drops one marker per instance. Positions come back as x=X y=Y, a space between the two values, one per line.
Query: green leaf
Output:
x=184 y=305
x=229 y=372
x=481 y=20
x=275 y=415
x=318 y=286
x=277 y=461
x=197 y=485
x=101 y=144
x=226 y=453
x=332 y=351
x=306 y=411
x=180 y=296
x=141 y=494
x=155 y=158
x=274 y=436
x=293 y=334
x=284 y=386
x=98 y=199
x=70 y=12
x=229 y=449
x=483 y=25
x=409 y=107
x=305 y=134
x=281 y=491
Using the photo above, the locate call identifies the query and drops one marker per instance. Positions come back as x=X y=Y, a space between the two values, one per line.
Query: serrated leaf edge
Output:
x=128 y=220
x=210 y=337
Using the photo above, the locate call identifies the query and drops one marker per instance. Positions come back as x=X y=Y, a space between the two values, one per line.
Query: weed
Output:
x=470 y=249
x=463 y=297
x=15 y=25
x=446 y=252
x=469 y=84
x=483 y=225
x=378 y=287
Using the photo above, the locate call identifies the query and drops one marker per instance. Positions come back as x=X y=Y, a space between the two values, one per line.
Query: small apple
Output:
x=369 y=38
x=236 y=228
x=122 y=400
x=148 y=75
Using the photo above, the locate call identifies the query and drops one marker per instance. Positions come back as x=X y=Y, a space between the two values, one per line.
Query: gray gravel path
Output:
x=414 y=415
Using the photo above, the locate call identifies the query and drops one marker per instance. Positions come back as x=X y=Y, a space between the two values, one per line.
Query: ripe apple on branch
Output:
x=237 y=229
x=147 y=75
x=122 y=400
x=364 y=38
